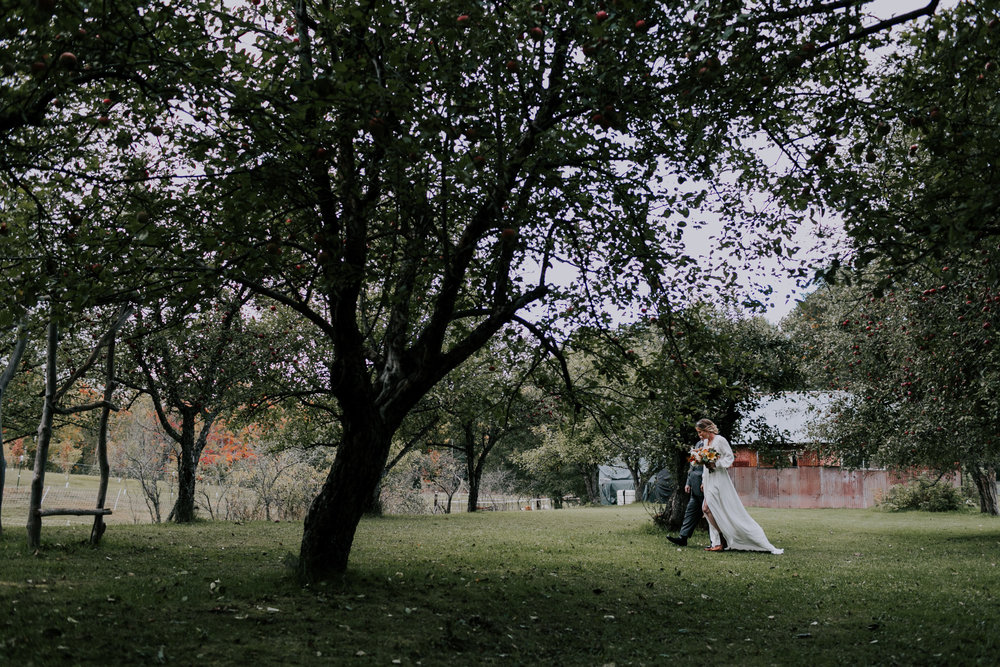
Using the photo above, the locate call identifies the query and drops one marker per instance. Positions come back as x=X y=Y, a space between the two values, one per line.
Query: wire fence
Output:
x=125 y=504
x=125 y=497
x=460 y=503
x=129 y=502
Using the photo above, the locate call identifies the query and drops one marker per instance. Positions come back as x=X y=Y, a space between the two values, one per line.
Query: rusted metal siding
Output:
x=813 y=487
x=744 y=457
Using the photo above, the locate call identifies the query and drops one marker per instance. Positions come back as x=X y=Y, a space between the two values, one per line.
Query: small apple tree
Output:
x=196 y=366
x=484 y=404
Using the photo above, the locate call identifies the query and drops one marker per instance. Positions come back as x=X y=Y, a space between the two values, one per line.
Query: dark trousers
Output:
x=692 y=515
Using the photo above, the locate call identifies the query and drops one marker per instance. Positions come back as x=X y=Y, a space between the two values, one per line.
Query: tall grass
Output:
x=570 y=587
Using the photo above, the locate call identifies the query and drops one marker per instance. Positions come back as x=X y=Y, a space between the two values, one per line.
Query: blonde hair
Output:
x=707 y=425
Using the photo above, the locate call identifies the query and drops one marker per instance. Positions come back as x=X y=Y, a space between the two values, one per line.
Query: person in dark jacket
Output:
x=693 y=513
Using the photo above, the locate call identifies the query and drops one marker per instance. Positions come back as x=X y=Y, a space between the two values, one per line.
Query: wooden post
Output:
x=102 y=444
x=44 y=436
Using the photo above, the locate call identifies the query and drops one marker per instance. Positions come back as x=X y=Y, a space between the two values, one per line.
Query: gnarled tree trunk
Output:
x=191 y=447
x=985 y=478
x=334 y=514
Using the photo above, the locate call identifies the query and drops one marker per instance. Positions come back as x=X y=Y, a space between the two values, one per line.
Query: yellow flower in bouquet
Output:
x=703 y=455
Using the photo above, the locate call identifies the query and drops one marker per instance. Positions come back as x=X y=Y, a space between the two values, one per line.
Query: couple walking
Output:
x=712 y=493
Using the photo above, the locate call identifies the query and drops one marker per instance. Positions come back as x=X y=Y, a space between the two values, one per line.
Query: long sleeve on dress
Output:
x=721 y=445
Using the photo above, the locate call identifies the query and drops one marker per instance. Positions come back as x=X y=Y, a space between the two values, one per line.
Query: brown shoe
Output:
x=715 y=548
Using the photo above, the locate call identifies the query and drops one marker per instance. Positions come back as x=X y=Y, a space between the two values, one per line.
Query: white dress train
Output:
x=742 y=533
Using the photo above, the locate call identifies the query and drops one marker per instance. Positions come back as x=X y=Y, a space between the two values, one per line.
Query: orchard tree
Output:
x=442 y=471
x=918 y=185
x=141 y=451
x=76 y=234
x=916 y=182
x=485 y=403
x=409 y=182
x=920 y=366
x=611 y=407
x=196 y=365
x=562 y=458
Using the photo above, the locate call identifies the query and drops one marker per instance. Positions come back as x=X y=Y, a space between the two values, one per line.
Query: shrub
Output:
x=924 y=494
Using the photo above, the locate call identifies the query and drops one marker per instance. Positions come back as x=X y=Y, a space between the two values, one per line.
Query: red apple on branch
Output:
x=68 y=60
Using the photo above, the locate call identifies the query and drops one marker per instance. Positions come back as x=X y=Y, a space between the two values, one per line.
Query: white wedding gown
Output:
x=742 y=533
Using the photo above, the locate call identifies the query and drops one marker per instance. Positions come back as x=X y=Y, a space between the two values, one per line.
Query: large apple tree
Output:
x=917 y=185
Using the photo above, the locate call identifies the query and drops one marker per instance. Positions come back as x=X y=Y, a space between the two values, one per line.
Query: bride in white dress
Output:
x=723 y=507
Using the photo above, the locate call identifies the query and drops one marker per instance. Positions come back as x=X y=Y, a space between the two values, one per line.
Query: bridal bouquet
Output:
x=703 y=456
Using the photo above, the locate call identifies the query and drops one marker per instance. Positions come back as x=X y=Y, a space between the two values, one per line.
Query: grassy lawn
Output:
x=571 y=587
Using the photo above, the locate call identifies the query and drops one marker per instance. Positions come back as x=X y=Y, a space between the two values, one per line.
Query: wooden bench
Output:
x=66 y=512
